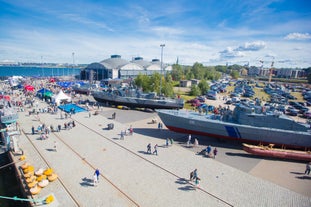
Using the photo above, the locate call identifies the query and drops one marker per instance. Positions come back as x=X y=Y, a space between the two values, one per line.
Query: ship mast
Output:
x=162 y=45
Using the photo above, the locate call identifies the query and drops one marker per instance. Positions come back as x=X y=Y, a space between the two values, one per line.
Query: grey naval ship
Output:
x=134 y=98
x=250 y=124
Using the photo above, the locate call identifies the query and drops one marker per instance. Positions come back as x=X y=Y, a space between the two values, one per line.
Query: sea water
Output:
x=6 y=71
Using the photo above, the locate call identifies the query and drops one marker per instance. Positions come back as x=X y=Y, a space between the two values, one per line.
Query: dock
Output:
x=131 y=177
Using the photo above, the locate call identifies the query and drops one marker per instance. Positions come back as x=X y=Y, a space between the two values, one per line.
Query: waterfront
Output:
x=6 y=71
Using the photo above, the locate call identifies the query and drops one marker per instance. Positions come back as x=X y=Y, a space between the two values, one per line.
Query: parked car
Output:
x=307 y=115
x=228 y=102
x=292 y=112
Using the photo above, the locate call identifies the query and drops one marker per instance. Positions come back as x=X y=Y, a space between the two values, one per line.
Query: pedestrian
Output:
x=215 y=152
x=155 y=149
x=308 y=168
x=122 y=135
x=196 y=142
x=90 y=114
x=131 y=130
x=209 y=150
x=193 y=174
x=33 y=130
x=197 y=182
x=149 y=148
x=172 y=141
x=55 y=143
x=95 y=180
x=166 y=142
x=189 y=140
x=59 y=127
x=97 y=173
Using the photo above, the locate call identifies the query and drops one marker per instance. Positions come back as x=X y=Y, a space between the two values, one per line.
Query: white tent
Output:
x=61 y=97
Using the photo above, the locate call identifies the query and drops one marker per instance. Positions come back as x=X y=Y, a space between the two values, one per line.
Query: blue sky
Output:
x=207 y=31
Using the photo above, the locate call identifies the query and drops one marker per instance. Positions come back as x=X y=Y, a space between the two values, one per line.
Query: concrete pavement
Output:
x=130 y=177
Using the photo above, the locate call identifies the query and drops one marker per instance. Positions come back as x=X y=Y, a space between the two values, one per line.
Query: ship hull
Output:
x=193 y=123
x=277 y=153
x=133 y=102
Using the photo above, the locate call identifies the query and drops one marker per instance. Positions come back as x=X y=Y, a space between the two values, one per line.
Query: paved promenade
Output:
x=129 y=176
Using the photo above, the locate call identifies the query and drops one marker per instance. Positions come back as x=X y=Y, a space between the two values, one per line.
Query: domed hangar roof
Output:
x=114 y=62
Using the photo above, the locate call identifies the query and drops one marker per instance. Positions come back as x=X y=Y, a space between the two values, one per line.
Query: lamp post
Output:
x=162 y=45
x=73 y=63
x=42 y=67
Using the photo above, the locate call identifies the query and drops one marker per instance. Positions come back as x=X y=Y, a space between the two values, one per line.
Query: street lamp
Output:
x=162 y=45
x=73 y=63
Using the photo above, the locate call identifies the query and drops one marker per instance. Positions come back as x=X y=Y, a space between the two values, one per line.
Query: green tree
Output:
x=221 y=68
x=155 y=82
x=177 y=72
x=143 y=81
x=234 y=74
x=203 y=86
x=211 y=73
x=195 y=90
x=168 y=89
x=308 y=72
x=198 y=71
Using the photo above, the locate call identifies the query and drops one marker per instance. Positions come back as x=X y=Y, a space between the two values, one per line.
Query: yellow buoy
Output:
x=52 y=177
x=23 y=157
x=49 y=199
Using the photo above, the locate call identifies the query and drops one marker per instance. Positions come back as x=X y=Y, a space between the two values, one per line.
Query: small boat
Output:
x=270 y=151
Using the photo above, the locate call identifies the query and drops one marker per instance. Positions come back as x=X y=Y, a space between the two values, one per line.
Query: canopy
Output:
x=48 y=94
x=6 y=97
x=29 y=88
x=65 y=84
x=61 y=96
x=44 y=90
x=52 y=80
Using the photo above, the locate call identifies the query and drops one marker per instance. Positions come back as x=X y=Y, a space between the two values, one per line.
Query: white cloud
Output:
x=231 y=53
x=298 y=36
x=251 y=46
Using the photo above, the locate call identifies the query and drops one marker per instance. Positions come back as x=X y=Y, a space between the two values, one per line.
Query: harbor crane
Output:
x=271 y=71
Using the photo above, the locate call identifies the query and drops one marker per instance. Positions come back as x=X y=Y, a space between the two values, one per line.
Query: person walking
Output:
x=55 y=144
x=215 y=152
x=122 y=135
x=196 y=142
x=155 y=149
x=197 y=182
x=95 y=180
x=208 y=150
x=172 y=141
x=193 y=174
x=149 y=148
x=97 y=173
x=308 y=168
x=33 y=130
x=189 y=140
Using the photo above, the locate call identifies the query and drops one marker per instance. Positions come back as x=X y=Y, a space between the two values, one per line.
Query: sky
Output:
x=211 y=32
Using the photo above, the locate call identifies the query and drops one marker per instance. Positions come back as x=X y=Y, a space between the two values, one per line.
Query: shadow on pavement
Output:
x=87 y=182
x=243 y=155
x=305 y=177
x=297 y=173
